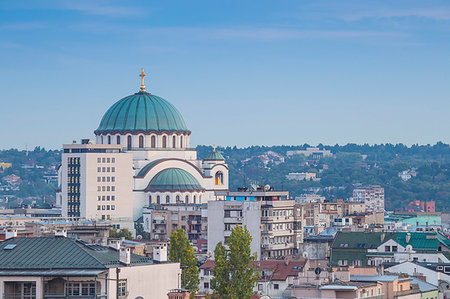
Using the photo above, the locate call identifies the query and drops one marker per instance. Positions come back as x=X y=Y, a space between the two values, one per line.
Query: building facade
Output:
x=141 y=155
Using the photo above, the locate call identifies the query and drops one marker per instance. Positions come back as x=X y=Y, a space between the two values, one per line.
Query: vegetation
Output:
x=124 y=232
x=181 y=251
x=234 y=276
x=352 y=165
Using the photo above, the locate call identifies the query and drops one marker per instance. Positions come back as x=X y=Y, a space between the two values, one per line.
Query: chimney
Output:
x=125 y=256
x=160 y=253
x=383 y=235
x=10 y=233
x=61 y=233
x=114 y=243
x=408 y=237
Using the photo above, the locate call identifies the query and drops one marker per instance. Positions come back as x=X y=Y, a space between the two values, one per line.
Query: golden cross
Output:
x=142 y=75
x=214 y=146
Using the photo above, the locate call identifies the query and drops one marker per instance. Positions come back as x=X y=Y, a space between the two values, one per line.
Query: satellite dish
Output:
x=139 y=237
x=305 y=255
x=267 y=187
x=318 y=271
x=409 y=248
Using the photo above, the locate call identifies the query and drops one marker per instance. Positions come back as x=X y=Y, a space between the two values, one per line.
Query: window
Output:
x=174 y=139
x=113 y=197
x=206 y=285
x=153 y=142
x=113 y=207
x=178 y=198
x=276 y=286
x=113 y=160
x=99 y=179
x=113 y=179
x=98 y=208
x=118 y=139
x=394 y=248
x=113 y=188
x=387 y=248
x=219 y=178
x=109 y=139
x=167 y=198
x=129 y=144
x=164 y=142
x=122 y=288
x=99 y=160
x=181 y=141
x=113 y=169
x=158 y=199
x=141 y=141
x=186 y=199
x=195 y=199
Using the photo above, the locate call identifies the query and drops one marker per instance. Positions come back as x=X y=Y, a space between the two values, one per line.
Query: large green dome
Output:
x=174 y=179
x=142 y=112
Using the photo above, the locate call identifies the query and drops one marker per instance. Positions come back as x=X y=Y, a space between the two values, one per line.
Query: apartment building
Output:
x=371 y=196
x=161 y=220
x=274 y=221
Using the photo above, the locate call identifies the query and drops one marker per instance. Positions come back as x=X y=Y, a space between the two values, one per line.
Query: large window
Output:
x=23 y=290
x=118 y=139
x=77 y=288
x=181 y=141
x=174 y=141
x=153 y=141
x=122 y=288
x=219 y=178
x=164 y=141
x=109 y=139
x=141 y=141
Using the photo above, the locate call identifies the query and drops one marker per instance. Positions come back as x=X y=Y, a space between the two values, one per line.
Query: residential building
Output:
x=375 y=248
x=272 y=219
x=302 y=176
x=161 y=220
x=371 y=196
x=65 y=268
x=275 y=276
x=314 y=152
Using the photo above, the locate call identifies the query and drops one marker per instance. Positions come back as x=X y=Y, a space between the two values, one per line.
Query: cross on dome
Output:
x=142 y=75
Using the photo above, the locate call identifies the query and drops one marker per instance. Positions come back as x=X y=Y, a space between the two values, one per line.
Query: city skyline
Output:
x=290 y=73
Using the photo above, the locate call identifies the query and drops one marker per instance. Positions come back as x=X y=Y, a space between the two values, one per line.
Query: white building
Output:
x=371 y=196
x=141 y=155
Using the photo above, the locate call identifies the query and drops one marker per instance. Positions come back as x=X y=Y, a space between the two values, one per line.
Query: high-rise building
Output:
x=371 y=196
x=141 y=155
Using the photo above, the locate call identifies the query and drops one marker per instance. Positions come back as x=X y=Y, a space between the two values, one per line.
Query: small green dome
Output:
x=142 y=112
x=214 y=156
x=174 y=179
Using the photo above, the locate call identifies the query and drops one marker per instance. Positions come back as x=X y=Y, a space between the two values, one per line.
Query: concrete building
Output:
x=302 y=176
x=272 y=219
x=141 y=155
x=371 y=196
x=314 y=152
x=64 y=268
x=161 y=220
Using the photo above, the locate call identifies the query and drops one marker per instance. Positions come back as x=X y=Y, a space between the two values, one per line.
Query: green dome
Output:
x=214 y=156
x=174 y=179
x=142 y=112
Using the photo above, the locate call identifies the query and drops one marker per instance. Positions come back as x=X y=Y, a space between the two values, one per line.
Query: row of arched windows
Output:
x=141 y=141
x=178 y=199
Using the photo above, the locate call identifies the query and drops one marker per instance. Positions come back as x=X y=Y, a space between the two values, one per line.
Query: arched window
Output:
x=178 y=198
x=167 y=199
x=153 y=141
x=181 y=141
x=129 y=144
x=195 y=199
x=186 y=199
x=101 y=139
x=164 y=142
x=118 y=139
x=158 y=199
x=150 y=199
x=219 y=178
x=109 y=139
x=174 y=141
x=141 y=141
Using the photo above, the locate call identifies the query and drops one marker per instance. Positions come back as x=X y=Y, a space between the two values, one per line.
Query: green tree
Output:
x=180 y=251
x=124 y=232
x=234 y=276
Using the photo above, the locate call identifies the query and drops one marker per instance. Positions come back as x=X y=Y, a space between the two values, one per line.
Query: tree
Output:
x=181 y=251
x=124 y=232
x=234 y=275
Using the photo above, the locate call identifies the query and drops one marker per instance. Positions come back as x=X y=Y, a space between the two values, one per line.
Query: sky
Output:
x=240 y=72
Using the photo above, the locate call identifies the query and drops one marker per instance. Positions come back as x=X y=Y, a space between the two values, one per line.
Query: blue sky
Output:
x=241 y=72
